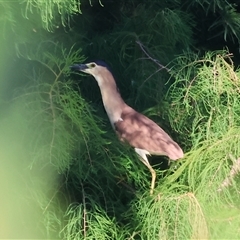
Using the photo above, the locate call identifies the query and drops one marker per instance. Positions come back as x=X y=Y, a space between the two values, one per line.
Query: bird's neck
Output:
x=112 y=100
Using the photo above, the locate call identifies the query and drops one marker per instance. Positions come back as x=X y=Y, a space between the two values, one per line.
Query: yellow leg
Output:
x=153 y=179
x=144 y=160
x=147 y=164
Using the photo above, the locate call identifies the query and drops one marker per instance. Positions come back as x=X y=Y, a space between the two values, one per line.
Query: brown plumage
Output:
x=139 y=131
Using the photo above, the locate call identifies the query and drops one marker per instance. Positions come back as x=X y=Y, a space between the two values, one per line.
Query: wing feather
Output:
x=141 y=132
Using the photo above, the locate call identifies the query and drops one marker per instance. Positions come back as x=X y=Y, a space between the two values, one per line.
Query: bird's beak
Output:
x=79 y=67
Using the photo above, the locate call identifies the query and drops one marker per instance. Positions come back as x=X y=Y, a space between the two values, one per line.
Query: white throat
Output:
x=112 y=100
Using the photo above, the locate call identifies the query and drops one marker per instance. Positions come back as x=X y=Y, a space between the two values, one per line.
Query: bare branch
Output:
x=151 y=58
x=84 y=214
x=233 y=172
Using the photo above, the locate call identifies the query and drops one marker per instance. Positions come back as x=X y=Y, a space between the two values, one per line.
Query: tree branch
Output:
x=151 y=58
x=233 y=172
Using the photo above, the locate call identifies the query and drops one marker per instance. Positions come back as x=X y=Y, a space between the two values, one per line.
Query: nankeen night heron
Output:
x=140 y=132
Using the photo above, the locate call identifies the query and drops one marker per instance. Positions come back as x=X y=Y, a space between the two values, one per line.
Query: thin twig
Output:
x=84 y=214
x=151 y=58
x=133 y=235
x=233 y=172
x=121 y=181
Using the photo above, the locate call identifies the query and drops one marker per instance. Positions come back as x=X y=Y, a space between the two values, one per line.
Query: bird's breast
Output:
x=114 y=116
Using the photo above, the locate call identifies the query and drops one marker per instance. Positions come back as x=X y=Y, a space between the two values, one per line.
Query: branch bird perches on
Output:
x=140 y=132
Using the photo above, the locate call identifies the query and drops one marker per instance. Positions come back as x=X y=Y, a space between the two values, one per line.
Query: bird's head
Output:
x=98 y=69
x=95 y=69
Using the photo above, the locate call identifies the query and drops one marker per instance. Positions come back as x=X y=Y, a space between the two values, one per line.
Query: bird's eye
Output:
x=92 y=65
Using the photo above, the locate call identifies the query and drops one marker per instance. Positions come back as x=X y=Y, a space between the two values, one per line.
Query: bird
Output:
x=144 y=135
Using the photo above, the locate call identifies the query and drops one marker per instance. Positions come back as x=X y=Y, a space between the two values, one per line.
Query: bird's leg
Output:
x=142 y=153
x=152 y=172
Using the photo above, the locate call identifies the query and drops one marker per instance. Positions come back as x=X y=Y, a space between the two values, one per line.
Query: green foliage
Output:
x=51 y=11
x=207 y=91
x=230 y=21
x=49 y=101
x=226 y=22
x=62 y=134
x=177 y=216
x=192 y=201
x=204 y=108
x=96 y=224
x=78 y=179
x=142 y=82
x=7 y=19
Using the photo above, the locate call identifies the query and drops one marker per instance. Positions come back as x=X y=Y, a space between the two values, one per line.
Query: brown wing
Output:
x=141 y=132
